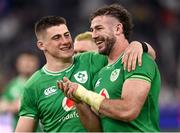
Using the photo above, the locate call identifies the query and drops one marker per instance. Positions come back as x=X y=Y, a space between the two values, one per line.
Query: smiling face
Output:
x=103 y=33
x=56 y=42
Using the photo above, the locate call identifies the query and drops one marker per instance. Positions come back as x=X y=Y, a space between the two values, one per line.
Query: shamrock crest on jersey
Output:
x=115 y=74
x=81 y=76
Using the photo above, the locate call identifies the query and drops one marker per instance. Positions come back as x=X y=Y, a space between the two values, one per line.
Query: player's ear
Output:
x=40 y=45
x=119 y=28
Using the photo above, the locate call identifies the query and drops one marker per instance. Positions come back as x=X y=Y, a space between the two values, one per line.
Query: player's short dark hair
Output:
x=120 y=13
x=47 y=22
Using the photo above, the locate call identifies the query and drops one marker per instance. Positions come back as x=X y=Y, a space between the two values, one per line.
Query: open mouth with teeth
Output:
x=66 y=48
x=99 y=44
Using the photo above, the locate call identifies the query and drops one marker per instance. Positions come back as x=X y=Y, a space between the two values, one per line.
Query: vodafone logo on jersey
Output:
x=68 y=104
x=104 y=93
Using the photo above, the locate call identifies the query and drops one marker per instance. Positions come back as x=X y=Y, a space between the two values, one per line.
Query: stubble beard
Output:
x=109 y=43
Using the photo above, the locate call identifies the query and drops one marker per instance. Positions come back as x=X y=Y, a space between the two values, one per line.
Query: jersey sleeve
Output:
x=6 y=94
x=144 y=72
x=28 y=106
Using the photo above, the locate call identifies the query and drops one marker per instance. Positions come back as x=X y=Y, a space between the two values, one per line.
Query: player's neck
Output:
x=117 y=50
x=58 y=65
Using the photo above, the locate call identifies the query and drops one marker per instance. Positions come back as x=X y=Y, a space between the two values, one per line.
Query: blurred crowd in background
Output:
x=155 y=21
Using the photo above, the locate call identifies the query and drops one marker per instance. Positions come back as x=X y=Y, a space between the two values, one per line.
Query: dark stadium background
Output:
x=156 y=22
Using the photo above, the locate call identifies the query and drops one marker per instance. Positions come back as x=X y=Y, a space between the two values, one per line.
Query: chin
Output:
x=69 y=55
x=102 y=51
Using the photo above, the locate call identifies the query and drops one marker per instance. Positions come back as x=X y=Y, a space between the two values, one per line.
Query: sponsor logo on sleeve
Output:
x=98 y=83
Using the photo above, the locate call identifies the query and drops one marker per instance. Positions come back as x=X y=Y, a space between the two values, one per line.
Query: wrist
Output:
x=91 y=98
x=144 y=47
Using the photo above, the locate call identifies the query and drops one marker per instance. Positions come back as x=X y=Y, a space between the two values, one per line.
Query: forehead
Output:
x=103 y=20
x=59 y=29
x=84 y=44
x=27 y=59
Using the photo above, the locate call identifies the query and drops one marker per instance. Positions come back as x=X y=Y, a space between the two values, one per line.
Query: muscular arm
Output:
x=88 y=118
x=26 y=124
x=127 y=108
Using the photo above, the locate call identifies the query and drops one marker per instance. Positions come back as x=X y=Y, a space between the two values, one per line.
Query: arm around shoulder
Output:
x=151 y=51
x=88 y=118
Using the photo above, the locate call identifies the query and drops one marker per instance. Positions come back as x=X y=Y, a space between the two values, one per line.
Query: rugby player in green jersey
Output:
x=126 y=101
x=42 y=100
x=9 y=102
x=83 y=42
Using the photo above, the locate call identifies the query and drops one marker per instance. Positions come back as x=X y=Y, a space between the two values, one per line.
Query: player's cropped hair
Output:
x=47 y=22
x=84 y=36
x=120 y=13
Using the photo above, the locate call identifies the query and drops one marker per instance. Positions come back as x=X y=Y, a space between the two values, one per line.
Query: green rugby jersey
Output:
x=13 y=91
x=44 y=101
x=109 y=82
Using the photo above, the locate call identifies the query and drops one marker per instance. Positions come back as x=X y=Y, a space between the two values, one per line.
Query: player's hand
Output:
x=132 y=54
x=68 y=88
